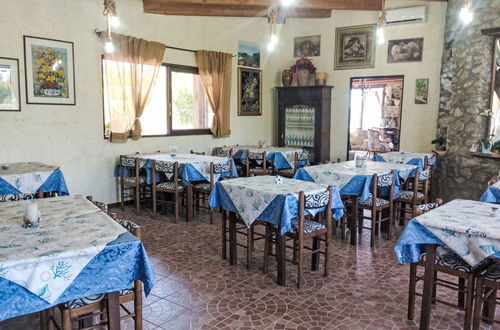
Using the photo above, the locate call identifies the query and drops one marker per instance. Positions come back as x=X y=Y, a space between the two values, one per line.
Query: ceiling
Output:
x=251 y=8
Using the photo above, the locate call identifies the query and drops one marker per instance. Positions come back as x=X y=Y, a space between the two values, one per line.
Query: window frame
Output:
x=168 y=95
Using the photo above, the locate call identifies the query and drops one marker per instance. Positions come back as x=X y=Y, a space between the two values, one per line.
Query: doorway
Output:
x=375 y=114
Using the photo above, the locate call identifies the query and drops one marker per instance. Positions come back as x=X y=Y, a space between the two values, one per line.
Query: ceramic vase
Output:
x=286 y=78
x=303 y=76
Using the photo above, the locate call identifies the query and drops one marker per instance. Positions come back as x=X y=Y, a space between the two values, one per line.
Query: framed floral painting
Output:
x=249 y=92
x=50 y=71
x=9 y=84
x=355 y=47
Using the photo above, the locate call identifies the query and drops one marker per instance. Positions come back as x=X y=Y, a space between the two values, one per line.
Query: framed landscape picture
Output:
x=405 y=50
x=307 y=46
x=49 y=70
x=249 y=92
x=421 y=91
x=355 y=47
x=248 y=54
x=9 y=84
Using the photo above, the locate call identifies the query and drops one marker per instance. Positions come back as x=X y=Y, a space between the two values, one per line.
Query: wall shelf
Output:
x=480 y=154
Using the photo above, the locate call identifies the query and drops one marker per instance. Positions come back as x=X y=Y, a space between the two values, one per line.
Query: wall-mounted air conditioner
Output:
x=406 y=15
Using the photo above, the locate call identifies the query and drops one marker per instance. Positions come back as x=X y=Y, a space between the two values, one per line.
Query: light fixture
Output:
x=466 y=14
x=112 y=20
x=108 y=46
x=286 y=3
x=381 y=24
x=272 y=14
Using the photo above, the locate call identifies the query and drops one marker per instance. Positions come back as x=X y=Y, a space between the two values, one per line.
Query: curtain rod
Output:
x=99 y=34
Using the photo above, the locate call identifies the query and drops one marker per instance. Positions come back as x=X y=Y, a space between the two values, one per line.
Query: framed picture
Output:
x=421 y=91
x=50 y=71
x=307 y=46
x=248 y=54
x=355 y=47
x=405 y=50
x=9 y=84
x=249 y=92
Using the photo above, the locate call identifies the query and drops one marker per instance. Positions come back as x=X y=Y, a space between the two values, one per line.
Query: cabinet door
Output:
x=300 y=127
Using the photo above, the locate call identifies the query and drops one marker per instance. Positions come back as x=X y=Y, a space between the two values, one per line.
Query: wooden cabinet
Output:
x=304 y=119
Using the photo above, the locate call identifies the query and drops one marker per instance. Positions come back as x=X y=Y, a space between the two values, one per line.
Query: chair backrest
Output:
x=164 y=166
x=423 y=208
x=380 y=183
x=127 y=161
x=197 y=152
x=16 y=197
x=101 y=205
x=314 y=201
x=221 y=152
x=256 y=157
x=223 y=168
x=170 y=171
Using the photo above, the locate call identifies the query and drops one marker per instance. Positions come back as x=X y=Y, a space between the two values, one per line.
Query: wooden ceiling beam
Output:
x=229 y=10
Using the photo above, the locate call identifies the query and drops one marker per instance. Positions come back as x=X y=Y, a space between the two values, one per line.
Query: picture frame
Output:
x=10 y=96
x=49 y=71
x=422 y=91
x=249 y=92
x=308 y=46
x=405 y=50
x=355 y=47
x=248 y=54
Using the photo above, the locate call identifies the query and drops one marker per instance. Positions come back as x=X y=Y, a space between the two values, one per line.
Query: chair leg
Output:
x=267 y=244
x=373 y=225
x=411 y=291
x=315 y=255
x=154 y=204
x=300 y=270
x=122 y=197
x=478 y=304
x=211 y=217
x=66 y=320
x=249 y=247
x=224 y=235
x=461 y=292
x=469 y=301
x=176 y=206
x=138 y=308
x=327 y=253
x=295 y=247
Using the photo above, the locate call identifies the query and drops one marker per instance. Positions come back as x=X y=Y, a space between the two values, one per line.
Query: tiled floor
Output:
x=196 y=289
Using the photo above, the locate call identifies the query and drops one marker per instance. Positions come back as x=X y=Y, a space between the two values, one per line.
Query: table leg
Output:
x=354 y=219
x=113 y=310
x=232 y=239
x=281 y=257
x=189 y=202
x=425 y=314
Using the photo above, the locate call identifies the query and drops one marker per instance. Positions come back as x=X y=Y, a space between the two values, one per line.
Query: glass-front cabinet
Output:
x=304 y=119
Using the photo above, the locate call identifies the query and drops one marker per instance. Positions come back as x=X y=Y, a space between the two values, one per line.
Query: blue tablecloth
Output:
x=406 y=158
x=54 y=183
x=492 y=194
x=276 y=158
x=120 y=263
x=360 y=185
x=280 y=211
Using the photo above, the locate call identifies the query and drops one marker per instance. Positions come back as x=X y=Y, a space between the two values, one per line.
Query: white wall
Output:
x=418 y=121
x=72 y=136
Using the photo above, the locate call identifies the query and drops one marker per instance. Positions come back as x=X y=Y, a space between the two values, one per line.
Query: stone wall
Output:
x=465 y=81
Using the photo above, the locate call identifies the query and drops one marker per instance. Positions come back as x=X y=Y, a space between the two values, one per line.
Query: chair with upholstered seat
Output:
x=487 y=285
x=84 y=311
x=169 y=185
x=317 y=228
x=406 y=200
x=256 y=163
x=134 y=186
x=202 y=190
x=299 y=160
x=448 y=263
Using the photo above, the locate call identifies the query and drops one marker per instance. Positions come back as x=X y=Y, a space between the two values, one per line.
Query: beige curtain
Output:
x=130 y=74
x=215 y=73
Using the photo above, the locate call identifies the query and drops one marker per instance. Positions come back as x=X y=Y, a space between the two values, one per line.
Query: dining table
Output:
x=275 y=202
x=492 y=194
x=74 y=251
x=280 y=157
x=30 y=178
x=421 y=159
x=192 y=168
x=353 y=181
x=470 y=228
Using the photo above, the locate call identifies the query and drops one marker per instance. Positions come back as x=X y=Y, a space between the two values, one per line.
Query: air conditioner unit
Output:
x=406 y=15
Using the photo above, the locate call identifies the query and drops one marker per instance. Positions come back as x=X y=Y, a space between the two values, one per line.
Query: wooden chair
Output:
x=297 y=158
x=136 y=186
x=449 y=263
x=406 y=200
x=18 y=197
x=221 y=152
x=197 y=153
x=169 y=185
x=256 y=164
x=305 y=228
x=487 y=285
x=376 y=206
x=202 y=190
x=85 y=310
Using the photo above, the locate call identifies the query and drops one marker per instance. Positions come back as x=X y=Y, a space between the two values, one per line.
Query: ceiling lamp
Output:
x=112 y=20
x=272 y=14
x=466 y=14
x=381 y=24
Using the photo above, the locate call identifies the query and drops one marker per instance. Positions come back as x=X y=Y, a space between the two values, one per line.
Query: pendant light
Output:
x=381 y=24
x=272 y=14
x=112 y=21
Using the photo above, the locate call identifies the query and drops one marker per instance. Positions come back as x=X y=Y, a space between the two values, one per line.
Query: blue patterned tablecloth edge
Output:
x=54 y=183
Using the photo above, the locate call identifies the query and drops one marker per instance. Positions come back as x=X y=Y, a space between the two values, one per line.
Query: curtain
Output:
x=215 y=73
x=130 y=73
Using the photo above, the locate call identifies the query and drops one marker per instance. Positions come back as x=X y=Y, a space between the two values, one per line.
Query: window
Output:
x=179 y=87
